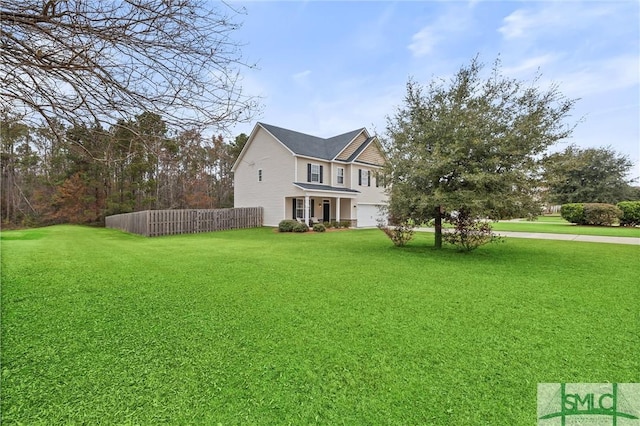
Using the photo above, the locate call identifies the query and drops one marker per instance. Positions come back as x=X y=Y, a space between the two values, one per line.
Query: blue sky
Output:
x=328 y=67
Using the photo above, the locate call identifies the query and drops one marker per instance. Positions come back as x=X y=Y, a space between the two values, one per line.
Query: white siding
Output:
x=280 y=168
x=334 y=175
x=277 y=164
x=368 y=194
x=302 y=171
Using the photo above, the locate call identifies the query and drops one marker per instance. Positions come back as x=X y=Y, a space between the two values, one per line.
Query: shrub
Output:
x=630 y=213
x=400 y=234
x=469 y=232
x=533 y=217
x=318 y=227
x=287 y=225
x=344 y=224
x=573 y=212
x=601 y=214
x=300 y=227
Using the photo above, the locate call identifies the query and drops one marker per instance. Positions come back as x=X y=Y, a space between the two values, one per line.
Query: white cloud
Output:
x=302 y=76
x=517 y=24
x=423 y=42
x=552 y=18
x=530 y=65
x=451 y=24
x=601 y=76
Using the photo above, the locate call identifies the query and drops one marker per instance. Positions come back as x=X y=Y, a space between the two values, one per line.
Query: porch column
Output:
x=338 y=210
x=306 y=209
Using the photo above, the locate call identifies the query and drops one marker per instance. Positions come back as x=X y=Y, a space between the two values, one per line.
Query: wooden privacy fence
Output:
x=154 y=223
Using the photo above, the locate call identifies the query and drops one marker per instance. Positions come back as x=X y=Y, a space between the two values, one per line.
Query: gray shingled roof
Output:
x=312 y=146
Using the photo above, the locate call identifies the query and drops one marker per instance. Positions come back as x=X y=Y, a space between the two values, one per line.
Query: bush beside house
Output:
x=318 y=227
x=290 y=225
x=287 y=225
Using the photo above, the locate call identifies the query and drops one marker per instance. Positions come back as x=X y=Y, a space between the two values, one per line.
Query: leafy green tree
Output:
x=471 y=144
x=140 y=143
x=88 y=153
x=235 y=147
x=591 y=175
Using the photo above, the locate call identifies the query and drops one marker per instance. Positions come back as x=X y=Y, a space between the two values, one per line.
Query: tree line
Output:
x=82 y=173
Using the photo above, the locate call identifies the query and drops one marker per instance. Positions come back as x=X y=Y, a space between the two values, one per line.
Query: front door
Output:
x=326 y=210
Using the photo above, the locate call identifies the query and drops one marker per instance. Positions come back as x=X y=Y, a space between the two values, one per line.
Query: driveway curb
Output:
x=565 y=237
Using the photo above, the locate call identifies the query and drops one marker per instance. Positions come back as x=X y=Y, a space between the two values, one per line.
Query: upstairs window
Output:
x=314 y=173
x=364 y=177
x=340 y=175
x=379 y=180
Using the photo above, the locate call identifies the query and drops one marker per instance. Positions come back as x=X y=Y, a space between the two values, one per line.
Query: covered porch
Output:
x=317 y=204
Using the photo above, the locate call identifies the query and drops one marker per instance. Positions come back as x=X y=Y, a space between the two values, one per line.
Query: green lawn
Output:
x=557 y=225
x=550 y=218
x=256 y=327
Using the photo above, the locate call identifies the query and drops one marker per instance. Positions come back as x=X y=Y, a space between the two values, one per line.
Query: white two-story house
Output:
x=293 y=175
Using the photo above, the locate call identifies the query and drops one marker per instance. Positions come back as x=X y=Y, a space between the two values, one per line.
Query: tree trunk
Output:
x=438 y=226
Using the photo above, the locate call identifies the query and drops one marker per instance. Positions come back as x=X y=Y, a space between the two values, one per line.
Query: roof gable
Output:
x=356 y=145
x=369 y=152
x=257 y=129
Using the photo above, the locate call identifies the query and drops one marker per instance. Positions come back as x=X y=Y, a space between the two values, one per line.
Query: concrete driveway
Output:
x=566 y=237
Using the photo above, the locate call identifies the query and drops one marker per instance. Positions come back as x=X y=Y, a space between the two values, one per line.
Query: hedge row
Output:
x=630 y=213
x=291 y=225
x=625 y=212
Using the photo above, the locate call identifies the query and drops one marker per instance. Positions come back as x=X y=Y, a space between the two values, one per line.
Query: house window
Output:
x=363 y=177
x=314 y=173
x=300 y=208
x=340 y=175
x=380 y=180
x=259 y=175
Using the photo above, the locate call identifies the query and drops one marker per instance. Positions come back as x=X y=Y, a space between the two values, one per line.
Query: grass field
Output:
x=557 y=225
x=550 y=218
x=252 y=326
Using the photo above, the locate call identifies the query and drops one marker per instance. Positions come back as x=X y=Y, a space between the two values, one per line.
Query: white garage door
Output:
x=369 y=215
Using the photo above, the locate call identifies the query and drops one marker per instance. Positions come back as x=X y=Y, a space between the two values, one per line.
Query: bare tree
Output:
x=80 y=61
